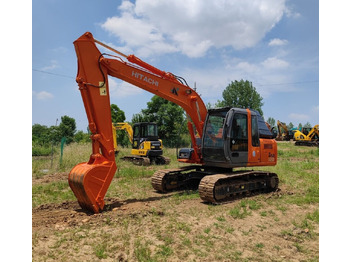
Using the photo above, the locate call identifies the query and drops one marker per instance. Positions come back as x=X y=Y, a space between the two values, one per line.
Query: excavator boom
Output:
x=90 y=180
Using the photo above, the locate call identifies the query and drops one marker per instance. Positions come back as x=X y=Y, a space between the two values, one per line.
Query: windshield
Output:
x=213 y=136
x=151 y=130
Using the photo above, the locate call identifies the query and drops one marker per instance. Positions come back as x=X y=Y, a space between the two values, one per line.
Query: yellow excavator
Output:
x=146 y=147
x=310 y=139
x=284 y=134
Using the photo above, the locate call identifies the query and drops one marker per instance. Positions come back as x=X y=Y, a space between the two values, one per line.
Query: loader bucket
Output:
x=89 y=183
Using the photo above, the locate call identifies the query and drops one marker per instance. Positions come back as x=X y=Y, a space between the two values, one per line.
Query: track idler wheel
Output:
x=273 y=182
x=89 y=183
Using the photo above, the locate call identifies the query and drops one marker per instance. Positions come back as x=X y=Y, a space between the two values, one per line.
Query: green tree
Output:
x=118 y=116
x=300 y=126
x=81 y=137
x=241 y=94
x=290 y=125
x=66 y=128
x=169 y=118
x=40 y=134
x=271 y=121
x=308 y=125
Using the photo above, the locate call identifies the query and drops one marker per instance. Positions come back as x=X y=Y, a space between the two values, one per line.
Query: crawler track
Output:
x=167 y=180
x=307 y=143
x=226 y=187
x=214 y=187
x=145 y=161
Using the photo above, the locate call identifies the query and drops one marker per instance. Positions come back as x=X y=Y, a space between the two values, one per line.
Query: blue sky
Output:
x=273 y=44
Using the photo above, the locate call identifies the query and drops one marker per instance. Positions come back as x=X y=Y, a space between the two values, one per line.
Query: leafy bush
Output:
x=42 y=150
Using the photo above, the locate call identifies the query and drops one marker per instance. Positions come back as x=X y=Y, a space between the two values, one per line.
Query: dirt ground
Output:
x=141 y=229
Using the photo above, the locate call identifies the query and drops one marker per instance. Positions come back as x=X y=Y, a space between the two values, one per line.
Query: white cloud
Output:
x=275 y=63
x=193 y=27
x=278 y=42
x=247 y=67
x=43 y=95
x=291 y=13
x=53 y=65
x=119 y=89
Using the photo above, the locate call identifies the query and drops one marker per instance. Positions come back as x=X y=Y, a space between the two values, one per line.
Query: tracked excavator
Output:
x=309 y=139
x=283 y=134
x=223 y=139
x=146 y=149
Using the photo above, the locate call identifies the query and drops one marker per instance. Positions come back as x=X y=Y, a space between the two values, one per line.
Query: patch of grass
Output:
x=142 y=251
x=164 y=251
x=239 y=212
x=259 y=245
x=183 y=226
x=185 y=195
x=230 y=229
x=287 y=232
x=299 y=247
x=207 y=230
x=55 y=192
x=221 y=219
x=314 y=216
x=263 y=213
x=186 y=242
x=100 y=250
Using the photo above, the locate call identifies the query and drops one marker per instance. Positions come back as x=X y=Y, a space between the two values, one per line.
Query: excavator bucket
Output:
x=89 y=183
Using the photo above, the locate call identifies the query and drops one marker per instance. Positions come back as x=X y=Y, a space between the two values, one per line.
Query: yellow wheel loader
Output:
x=146 y=147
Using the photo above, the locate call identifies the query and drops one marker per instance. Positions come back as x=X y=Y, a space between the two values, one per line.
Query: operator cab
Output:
x=231 y=137
x=144 y=131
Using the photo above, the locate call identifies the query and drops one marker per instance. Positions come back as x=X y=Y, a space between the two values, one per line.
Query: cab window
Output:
x=255 y=132
x=136 y=131
x=239 y=133
x=152 y=130
x=214 y=130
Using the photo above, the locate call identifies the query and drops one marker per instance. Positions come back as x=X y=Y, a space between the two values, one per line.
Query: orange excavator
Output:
x=222 y=138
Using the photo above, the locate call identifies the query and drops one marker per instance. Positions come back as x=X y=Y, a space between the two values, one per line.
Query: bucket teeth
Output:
x=89 y=183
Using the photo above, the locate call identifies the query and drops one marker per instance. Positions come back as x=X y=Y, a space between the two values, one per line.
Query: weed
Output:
x=142 y=251
x=254 y=205
x=259 y=245
x=221 y=219
x=263 y=213
x=100 y=250
x=299 y=247
x=286 y=232
x=313 y=216
x=165 y=251
x=183 y=226
x=239 y=213
x=186 y=242
x=230 y=230
x=207 y=230
x=278 y=248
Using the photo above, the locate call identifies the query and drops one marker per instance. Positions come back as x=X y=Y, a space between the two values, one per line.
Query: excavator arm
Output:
x=90 y=180
x=127 y=127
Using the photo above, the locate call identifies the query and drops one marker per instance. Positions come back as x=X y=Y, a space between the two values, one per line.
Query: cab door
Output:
x=254 y=147
x=213 y=140
x=237 y=141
